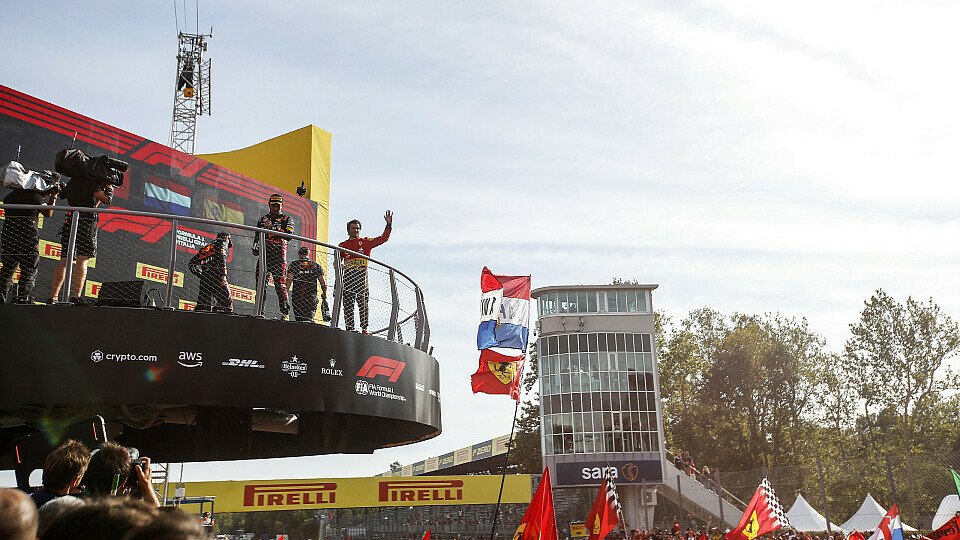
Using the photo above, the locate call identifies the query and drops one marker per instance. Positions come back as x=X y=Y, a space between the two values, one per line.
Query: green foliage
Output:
x=752 y=393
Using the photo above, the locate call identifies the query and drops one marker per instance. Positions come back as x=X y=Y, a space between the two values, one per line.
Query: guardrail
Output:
x=152 y=247
x=712 y=483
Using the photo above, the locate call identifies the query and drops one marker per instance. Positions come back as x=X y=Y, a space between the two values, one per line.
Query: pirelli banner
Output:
x=317 y=493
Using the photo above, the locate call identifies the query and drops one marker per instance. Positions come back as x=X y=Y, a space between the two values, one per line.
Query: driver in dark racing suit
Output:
x=210 y=265
x=276 y=250
x=304 y=275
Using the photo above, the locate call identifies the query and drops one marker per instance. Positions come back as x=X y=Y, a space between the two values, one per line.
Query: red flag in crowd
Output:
x=605 y=513
x=764 y=514
x=426 y=535
x=949 y=531
x=538 y=522
x=498 y=374
x=856 y=535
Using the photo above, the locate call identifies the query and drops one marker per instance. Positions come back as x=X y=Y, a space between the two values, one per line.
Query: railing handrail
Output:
x=419 y=310
x=251 y=228
x=720 y=486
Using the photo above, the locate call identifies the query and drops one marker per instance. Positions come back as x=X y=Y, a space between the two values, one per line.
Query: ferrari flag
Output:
x=498 y=374
x=504 y=311
x=538 y=522
x=764 y=514
x=606 y=511
x=949 y=531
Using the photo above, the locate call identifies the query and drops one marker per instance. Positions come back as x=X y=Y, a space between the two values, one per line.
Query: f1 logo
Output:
x=379 y=365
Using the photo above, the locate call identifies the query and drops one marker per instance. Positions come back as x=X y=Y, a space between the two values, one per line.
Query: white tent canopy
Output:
x=868 y=517
x=805 y=518
x=948 y=507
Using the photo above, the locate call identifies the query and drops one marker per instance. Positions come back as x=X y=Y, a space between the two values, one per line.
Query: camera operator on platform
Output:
x=87 y=192
x=20 y=240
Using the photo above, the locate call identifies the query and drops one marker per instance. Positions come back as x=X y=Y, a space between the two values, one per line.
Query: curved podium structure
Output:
x=205 y=386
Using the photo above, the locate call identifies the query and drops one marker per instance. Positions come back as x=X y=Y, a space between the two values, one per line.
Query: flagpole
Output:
x=503 y=471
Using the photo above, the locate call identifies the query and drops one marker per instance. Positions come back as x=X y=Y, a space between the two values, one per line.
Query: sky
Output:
x=750 y=156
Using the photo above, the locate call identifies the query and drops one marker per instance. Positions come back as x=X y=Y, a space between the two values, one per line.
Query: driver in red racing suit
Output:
x=276 y=250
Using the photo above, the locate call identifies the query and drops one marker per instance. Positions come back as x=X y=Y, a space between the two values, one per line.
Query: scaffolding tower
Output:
x=191 y=96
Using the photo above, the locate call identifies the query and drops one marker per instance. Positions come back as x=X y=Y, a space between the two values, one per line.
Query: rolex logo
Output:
x=333 y=362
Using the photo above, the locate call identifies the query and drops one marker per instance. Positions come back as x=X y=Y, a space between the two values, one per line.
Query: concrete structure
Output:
x=600 y=400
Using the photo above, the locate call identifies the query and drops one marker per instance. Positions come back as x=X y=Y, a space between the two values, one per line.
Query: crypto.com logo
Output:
x=379 y=365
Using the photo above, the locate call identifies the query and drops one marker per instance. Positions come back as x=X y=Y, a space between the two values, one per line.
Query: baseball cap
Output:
x=276 y=198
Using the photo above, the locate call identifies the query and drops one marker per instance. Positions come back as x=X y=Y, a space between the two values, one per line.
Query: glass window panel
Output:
x=587 y=422
x=595 y=382
x=557 y=444
x=551 y=302
x=642 y=301
x=568 y=443
x=564 y=364
x=628 y=442
x=578 y=443
x=598 y=421
x=588 y=446
x=608 y=442
x=602 y=342
x=648 y=381
x=621 y=343
x=565 y=403
x=618 y=442
x=635 y=424
x=548 y=425
x=629 y=340
x=562 y=302
x=622 y=301
x=545 y=385
x=624 y=402
x=611 y=342
x=593 y=362
x=632 y=361
x=582 y=302
x=591 y=302
x=563 y=423
x=542 y=344
x=548 y=446
x=577 y=422
x=601 y=302
x=641 y=442
x=575 y=399
x=574 y=347
x=654 y=441
x=645 y=339
x=603 y=362
x=632 y=301
x=555 y=364
x=555 y=403
x=614 y=382
x=575 y=382
x=617 y=425
x=565 y=383
x=635 y=381
x=605 y=402
x=553 y=345
x=582 y=338
x=595 y=401
x=592 y=342
x=611 y=301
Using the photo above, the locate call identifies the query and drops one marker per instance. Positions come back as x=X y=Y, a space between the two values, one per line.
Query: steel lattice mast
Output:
x=191 y=96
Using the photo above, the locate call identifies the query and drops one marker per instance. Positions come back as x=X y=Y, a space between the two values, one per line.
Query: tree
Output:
x=525 y=454
x=896 y=354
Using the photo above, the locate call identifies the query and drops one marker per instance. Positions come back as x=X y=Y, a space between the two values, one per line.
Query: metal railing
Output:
x=151 y=247
x=712 y=482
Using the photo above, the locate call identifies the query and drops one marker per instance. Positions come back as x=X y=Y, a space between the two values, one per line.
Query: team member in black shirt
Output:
x=210 y=265
x=20 y=240
x=304 y=275
x=87 y=192
x=276 y=246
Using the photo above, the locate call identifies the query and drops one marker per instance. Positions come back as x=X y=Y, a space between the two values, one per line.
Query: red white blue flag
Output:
x=890 y=527
x=504 y=311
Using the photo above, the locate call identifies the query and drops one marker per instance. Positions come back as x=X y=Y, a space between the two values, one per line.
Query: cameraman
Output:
x=20 y=240
x=87 y=192
x=118 y=470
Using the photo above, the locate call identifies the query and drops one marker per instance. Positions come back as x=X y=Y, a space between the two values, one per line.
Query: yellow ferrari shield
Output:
x=750 y=530
x=519 y=533
x=504 y=371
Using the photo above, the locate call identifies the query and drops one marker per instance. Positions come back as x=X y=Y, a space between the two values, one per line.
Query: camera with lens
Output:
x=105 y=169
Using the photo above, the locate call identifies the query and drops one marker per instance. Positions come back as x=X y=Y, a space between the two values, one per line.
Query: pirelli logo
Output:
x=242 y=294
x=186 y=305
x=51 y=250
x=92 y=289
x=421 y=490
x=157 y=274
x=264 y=495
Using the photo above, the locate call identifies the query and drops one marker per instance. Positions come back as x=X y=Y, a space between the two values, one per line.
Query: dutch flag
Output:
x=504 y=311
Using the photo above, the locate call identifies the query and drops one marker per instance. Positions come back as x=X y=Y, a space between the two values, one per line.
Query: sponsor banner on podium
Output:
x=318 y=493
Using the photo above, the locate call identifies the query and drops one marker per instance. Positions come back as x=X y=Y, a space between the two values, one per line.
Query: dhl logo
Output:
x=242 y=294
x=290 y=494
x=51 y=250
x=157 y=274
x=92 y=289
x=421 y=490
x=186 y=305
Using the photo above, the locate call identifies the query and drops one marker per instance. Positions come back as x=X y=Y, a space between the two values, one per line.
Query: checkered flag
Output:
x=764 y=514
x=773 y=504
x=613 y=499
